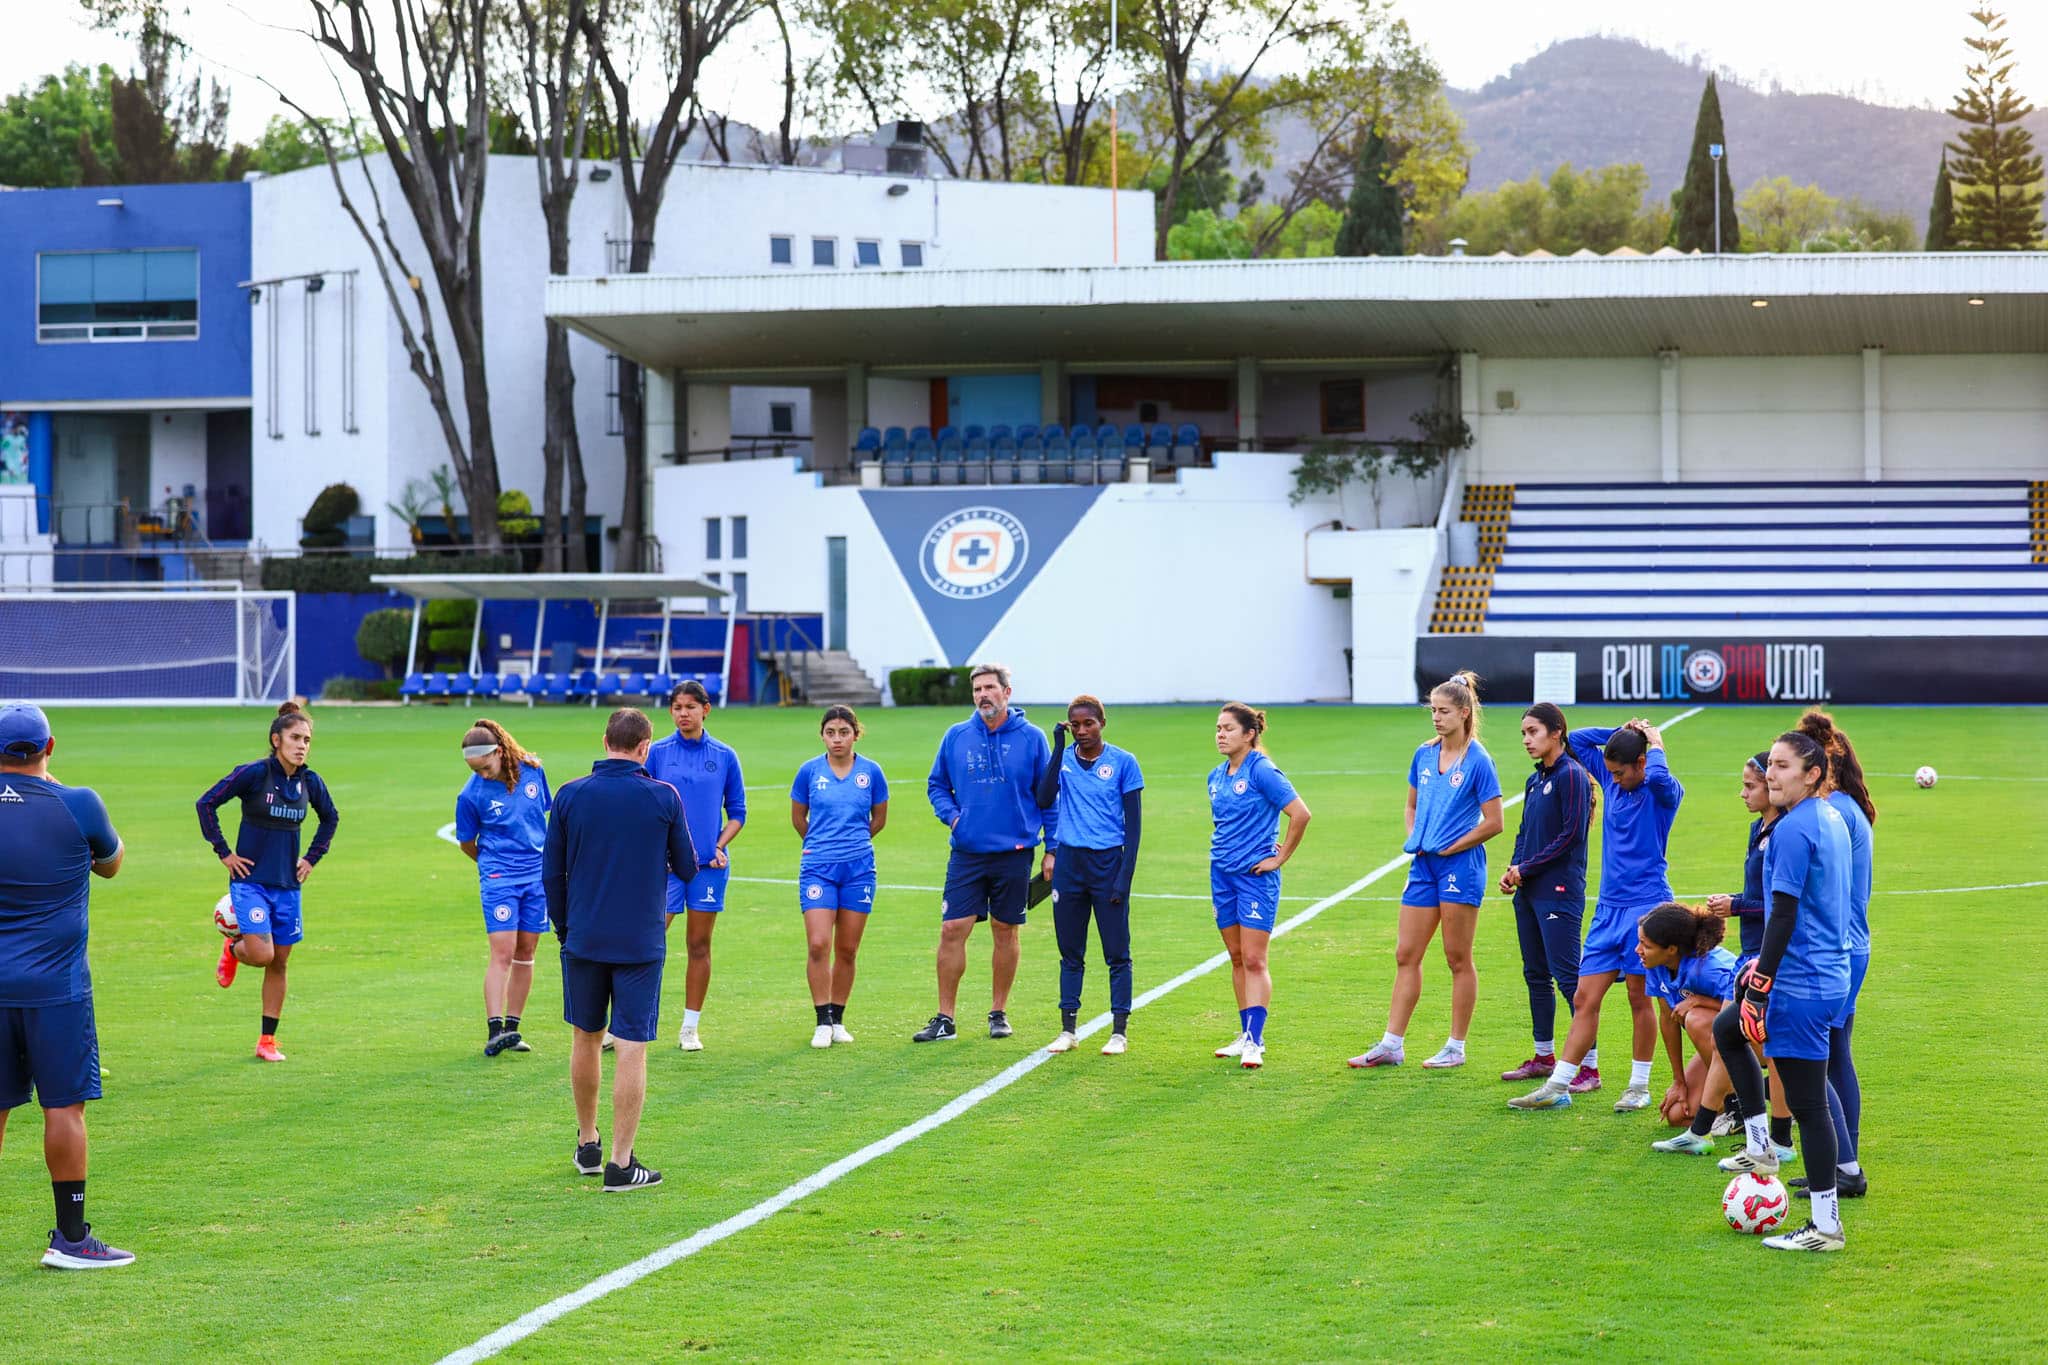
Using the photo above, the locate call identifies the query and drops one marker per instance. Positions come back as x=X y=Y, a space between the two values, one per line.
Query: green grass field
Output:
x=391 y=1194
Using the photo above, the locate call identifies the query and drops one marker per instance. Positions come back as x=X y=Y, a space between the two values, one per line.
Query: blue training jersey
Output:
x=1747 y=909
x=1636 y=827
x=1810 y=859
x=1712 y=976
x=617 y=836
x=1447 y=803
x=1091 y=800
x=510 y=827
x=274 y=808
x=1246 y=806
x=50 y=836
x=1861 y=866
x=840 y=808
x=706 y=773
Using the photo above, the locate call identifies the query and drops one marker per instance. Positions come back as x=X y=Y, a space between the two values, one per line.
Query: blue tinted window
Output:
x=780 y=250
x=117 y=295
x=913 y=255
x=867 y=253
x=824 y=251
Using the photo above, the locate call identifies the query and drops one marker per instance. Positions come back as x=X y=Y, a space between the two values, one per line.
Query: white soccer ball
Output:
x=224 y=916
x=1926 y=776
x=1755 y=1203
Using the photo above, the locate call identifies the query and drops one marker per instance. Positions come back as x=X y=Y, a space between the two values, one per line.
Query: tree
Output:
x=1996 y=168
x=48 y=129
x=1372 y=218
x=1706 y=184
x=1941 y=214
x=1783 y=216
x=1596 y=210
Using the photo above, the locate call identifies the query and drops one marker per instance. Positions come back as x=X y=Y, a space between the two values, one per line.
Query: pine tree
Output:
x=1372 y=217
x=1941 y=214
x=1996 y=165
x=1692 y=203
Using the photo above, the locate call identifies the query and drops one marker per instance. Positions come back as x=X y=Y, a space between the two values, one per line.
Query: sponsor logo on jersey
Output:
x=496 y=806
x=10 y=794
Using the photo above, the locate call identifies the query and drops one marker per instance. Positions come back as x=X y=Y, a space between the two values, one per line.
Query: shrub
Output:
x=930 y=687
x=451 y=611
x=326 y=521
x=382 y=639
x=359 y=689
x=516 y=520
x=449 y=644
x=346 y=573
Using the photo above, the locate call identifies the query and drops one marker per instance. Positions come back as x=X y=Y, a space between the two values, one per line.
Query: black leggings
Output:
x=1806 y=1094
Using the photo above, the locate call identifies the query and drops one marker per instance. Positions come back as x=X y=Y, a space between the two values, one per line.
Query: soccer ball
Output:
x=1755 y=1203
x=1926 y=776
x=224 y=917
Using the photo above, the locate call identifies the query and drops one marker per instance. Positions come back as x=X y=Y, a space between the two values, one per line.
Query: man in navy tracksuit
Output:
x=615 y=837
x=984 y=787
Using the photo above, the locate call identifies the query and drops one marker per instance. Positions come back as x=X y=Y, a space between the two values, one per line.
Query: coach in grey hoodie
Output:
x=983 y=787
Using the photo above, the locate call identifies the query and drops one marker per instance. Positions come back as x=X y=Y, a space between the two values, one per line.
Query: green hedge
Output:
x=930 y=687
x=360 y=689
x=382 y=638
x=326 y=520
x=347 y=573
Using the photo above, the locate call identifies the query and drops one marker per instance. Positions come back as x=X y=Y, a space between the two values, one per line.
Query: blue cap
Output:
x=24 y=730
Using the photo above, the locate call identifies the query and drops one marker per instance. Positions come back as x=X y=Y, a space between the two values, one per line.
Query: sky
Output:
x=1914 y=56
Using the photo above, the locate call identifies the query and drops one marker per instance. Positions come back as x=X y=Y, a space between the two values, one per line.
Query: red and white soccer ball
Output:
x=1925 y=776
x=1755 y=1203
x=224 y=916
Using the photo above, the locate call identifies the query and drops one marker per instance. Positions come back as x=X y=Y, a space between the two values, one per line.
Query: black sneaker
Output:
x=500 y=1043
x=1846 y=1186
x=998 y=1024
x=590 y=1157
x=631 y=1176
x=940 y=1027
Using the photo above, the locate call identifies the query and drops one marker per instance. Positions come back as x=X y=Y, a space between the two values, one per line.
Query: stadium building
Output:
x=1813 y=477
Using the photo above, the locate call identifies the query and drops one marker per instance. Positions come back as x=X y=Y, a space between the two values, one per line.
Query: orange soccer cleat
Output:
x=266 y=1049
x=224 y=970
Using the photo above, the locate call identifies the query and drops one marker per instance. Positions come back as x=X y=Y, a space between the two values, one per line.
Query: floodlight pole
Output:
x=1714 y=150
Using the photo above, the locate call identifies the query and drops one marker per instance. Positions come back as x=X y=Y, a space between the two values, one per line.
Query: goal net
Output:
x=166 y=647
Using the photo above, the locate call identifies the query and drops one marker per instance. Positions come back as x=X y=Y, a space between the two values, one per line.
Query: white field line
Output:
x=525 y=1326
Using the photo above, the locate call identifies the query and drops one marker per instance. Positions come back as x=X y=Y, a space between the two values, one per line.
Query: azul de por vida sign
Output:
x=1765 y=670
x=967 y=554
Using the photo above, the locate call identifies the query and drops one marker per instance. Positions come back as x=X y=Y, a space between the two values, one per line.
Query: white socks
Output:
x=1392 y=1041
x=1758 y=1133
x=1638 y=1075
x=1546 y=1047
x=1456 y=1045
x=1850 y=1168
x=1564 y=1073
x=1592 y=1058
x=690 y=1018
x=1827 y=1215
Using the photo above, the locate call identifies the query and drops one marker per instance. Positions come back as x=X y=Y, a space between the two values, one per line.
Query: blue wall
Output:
x=986 y=399
x=213 y=218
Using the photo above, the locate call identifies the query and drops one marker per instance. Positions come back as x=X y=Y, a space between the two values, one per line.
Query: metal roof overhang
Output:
x=796 y=325
x=545 y=587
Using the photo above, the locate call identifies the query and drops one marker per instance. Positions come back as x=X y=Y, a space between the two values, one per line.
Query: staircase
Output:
x=226 y=566
x=2037 y=511
x=1462 y=596
x=826 y=677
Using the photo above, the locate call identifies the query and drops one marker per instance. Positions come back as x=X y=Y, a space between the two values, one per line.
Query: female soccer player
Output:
x=838 y=804
x=265 y=869
x=706 y=773
x=1691 y=976
x=1099 y=794
x=501 y=822
x=1799 y=984
x=1453 y=809
x=1642 y=800
x=1547 y=878
x=1847 y=792
x=1748 y=907
x=1247 y=794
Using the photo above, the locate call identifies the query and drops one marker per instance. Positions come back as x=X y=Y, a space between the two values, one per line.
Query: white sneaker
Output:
x=1634 y=1098
x=606 y=1044
x=688 y=1040
x=1253 y=1057
x=821 y=1036
x=840 y=1035
x=1235 y=1047
x=1446 y=1057
x=1725 y=1123
x=1808 y=1238
x=1064 y=1043
x=1115 y=1046
x=1761 y=1163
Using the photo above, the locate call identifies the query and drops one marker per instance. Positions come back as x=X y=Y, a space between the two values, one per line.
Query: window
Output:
x=1343 y=405
x=739 y=592
x=117 y=295
x=711 y=528
x=867 y=253
x=782 y=419
x=913 y=254
x=825 y=251
x=781 y=250
x=739 y=537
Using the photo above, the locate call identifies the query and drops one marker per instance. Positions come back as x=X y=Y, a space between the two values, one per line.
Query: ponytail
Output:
x=1844 y=771
x=510 y=756
x=1810 y=753
x=1461 y=689
x=1695 y=933
x=288 y=715
x=1250 y=719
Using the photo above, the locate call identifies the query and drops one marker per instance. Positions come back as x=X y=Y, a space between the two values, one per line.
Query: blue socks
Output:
x=1255 y=1023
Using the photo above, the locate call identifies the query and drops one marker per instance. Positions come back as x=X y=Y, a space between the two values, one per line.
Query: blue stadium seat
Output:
x=611 y=685
x=868 y=442
x=1134 y=439
x=924 y=462
x=1052 y=431
x=511 y=684
x=633 y=685
x=895 y=438
x=1059 y=455
x=487 y=685
x=552 y=686
x=1187 y=445
x=1000 y=432
x=660 y=685
x=920 y=434
x=1002 y=456
x=1109 y=464
x=896 y=466
x=583 y=685
x=415 y=685
x=974 y=460
x=1028 y=437
x=975 y=432
x=437 y=684
x=1107 y=436
x=1083 y=453
x=1030 y=466
x=1159 y=445
x=462 y=685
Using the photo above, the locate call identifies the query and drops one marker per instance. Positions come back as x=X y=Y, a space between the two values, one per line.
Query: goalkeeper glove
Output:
x=1756 y=1000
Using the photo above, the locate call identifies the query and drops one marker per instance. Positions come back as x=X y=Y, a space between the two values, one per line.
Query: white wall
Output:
x=1770 y=417
x=902 y=403
x=1291 y=402
x=1573 y=419
x=1965 y=416
x=177 y=456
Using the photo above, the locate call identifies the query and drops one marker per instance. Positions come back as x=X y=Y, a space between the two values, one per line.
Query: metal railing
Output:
x=779 y=631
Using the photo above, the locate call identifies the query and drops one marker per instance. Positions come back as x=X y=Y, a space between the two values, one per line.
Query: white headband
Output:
x=478 y=750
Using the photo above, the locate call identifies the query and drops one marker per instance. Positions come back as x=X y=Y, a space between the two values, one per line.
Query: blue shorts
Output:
x=1798 y=1027
x=837 y=886
x=1247 y=900
x=1446 y=879
x=514 y=905
x=622 y=996
x=983 y=886
x=704 y=893
x=1611 y=941
x=1859 y=965
x=55 y=1048
x=272 y=910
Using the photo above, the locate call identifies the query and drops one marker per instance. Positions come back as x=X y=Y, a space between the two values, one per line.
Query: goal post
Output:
x=175 y=646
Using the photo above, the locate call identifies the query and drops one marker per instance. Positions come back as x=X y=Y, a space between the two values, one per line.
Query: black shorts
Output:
x=987 y=885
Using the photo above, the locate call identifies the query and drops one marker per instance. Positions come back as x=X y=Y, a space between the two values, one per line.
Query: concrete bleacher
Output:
x=1965 y=558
